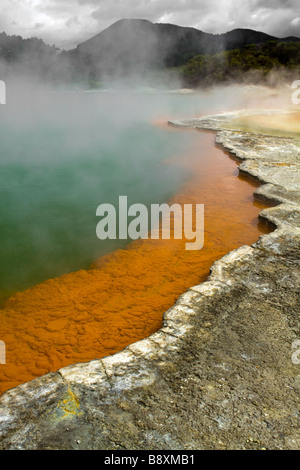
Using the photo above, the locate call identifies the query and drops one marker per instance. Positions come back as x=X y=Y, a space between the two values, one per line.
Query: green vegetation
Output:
x=31 y=55
x=14 y=48
x=191 y=56
x=252 y=62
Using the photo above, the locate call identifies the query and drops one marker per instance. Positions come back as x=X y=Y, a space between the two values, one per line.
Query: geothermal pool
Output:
x=60 y=157
x=68 y=297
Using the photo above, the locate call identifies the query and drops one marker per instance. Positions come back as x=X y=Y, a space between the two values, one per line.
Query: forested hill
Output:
x=138 y=46
x=252 y=63
x=31 y=54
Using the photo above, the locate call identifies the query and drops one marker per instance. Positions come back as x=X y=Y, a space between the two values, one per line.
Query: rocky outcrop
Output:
x=220 y=373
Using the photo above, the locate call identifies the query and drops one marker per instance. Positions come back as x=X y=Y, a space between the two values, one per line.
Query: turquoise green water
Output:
x=63 y=154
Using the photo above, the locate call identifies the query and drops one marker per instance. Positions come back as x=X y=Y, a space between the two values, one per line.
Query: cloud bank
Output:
x=66 y=23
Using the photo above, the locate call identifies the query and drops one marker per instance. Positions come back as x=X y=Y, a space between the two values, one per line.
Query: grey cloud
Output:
x=74 y=20
x=39 y=25
x=68 y=22
x=275 y=4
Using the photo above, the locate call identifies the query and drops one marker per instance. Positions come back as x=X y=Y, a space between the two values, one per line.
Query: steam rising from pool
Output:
x=64 y=152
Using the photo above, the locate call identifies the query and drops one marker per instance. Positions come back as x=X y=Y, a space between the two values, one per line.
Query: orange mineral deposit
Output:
x=93 y=313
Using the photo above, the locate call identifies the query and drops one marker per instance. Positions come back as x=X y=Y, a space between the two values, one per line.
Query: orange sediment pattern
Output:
x=93 y=313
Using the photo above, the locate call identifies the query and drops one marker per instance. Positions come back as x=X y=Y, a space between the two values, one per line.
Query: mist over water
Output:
x=64 y=152
x=60 y=157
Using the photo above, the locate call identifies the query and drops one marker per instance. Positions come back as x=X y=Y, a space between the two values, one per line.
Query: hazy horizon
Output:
x=68 y=23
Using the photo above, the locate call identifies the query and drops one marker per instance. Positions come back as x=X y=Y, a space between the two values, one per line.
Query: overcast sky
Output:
x=66 y=23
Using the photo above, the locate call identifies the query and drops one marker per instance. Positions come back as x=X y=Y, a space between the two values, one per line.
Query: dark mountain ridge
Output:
x=129 y=46
x=132 y=44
